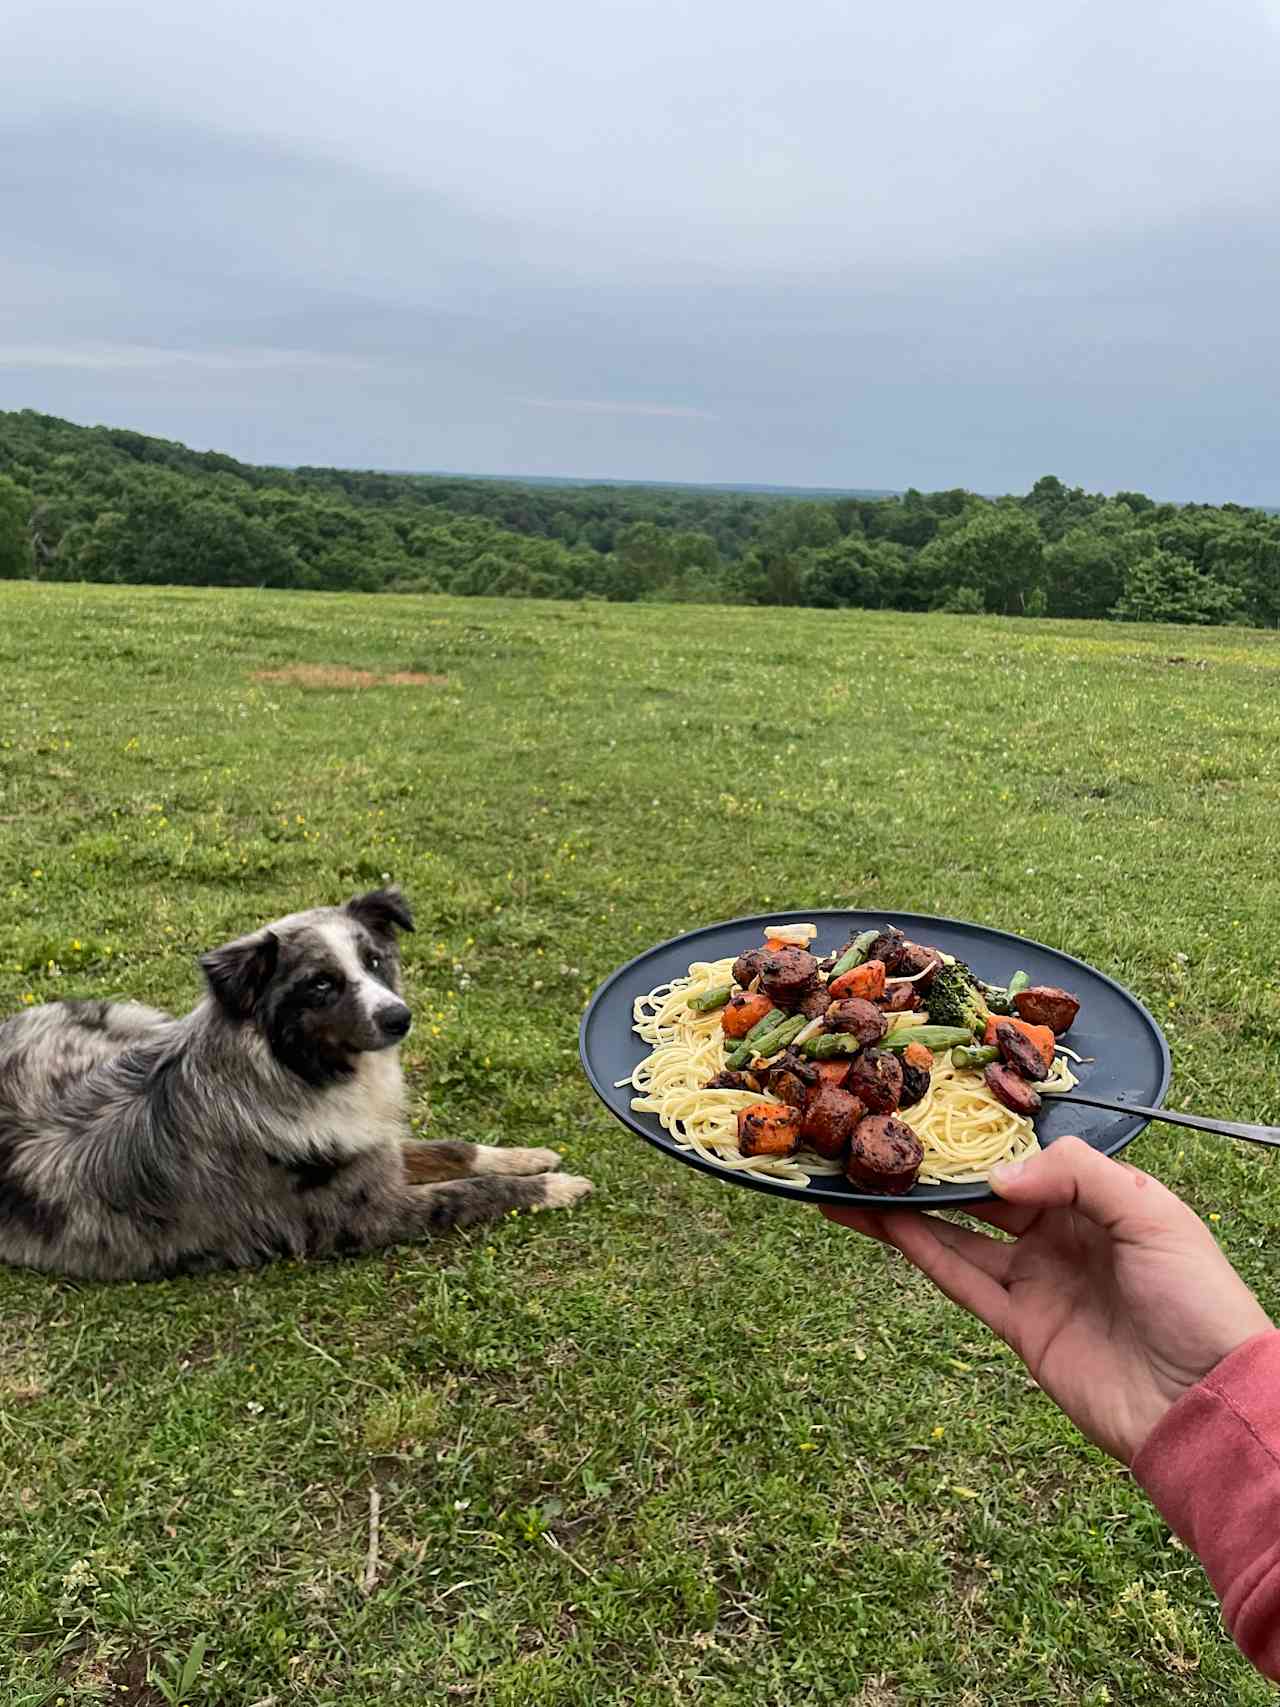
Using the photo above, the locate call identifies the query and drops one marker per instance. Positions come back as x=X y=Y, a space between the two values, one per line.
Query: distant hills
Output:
x=666 y=485
x=110 y=504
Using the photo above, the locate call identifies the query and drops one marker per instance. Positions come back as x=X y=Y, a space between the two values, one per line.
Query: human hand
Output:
x=1112 y=1291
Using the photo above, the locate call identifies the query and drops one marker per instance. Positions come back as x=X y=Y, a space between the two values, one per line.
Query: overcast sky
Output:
x=819 y=243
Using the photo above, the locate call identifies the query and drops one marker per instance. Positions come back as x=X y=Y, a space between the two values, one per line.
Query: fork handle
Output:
x=1227 y=1128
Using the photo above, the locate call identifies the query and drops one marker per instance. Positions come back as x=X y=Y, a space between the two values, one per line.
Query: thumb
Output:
x=1070 y=1174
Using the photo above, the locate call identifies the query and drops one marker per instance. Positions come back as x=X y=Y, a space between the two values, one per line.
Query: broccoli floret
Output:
x=955 y=999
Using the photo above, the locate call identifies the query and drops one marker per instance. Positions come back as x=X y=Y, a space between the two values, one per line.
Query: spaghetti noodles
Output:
x=688 y=1049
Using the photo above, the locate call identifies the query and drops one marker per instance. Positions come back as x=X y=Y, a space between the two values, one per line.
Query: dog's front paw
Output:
x=560 y=1190
x=499 y=1159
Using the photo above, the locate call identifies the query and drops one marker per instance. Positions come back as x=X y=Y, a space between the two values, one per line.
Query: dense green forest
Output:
x=107 y=504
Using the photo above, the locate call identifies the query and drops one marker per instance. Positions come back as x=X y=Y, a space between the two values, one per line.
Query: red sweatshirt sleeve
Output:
x=1212 y=1468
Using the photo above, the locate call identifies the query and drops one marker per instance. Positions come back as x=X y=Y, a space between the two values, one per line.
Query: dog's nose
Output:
x=395 y=1022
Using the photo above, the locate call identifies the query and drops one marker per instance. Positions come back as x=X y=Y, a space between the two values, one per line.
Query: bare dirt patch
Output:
x=877 y=1691
x=22 y=1377
x=125 y=1679
x=132 y=1685
x=341 y=676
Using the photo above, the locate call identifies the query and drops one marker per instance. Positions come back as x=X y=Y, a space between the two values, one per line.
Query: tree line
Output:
x=107 y=504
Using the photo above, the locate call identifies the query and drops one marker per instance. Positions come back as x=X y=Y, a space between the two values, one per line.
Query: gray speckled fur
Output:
x=268 y=1122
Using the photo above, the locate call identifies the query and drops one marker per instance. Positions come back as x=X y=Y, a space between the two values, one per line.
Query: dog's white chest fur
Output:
x=363 y=1112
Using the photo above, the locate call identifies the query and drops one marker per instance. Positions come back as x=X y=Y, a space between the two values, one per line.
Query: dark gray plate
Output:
x=1130 y=1058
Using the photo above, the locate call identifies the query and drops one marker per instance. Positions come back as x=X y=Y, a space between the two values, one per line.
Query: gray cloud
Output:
x=816 y=246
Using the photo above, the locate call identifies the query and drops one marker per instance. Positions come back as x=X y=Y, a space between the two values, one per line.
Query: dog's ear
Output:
x=239 y=973
x=382 y=911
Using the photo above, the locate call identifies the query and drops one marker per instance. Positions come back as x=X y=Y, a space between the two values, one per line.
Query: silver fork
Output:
x=1227 y=1128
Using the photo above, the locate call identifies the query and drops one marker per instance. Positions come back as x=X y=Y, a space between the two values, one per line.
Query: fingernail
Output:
x=1005 y=1173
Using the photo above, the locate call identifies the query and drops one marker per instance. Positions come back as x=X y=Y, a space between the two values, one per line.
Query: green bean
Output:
x=981 y=1055
x=932 y=1036
x=1019 y=981
x=758 y=1030
x=828 y=1043
x=710 y=1000
x=854 y=955
x=745 y=1047
x=775 y=1041
x=759 y=1039
x=771 y=1042
x=842 y=1043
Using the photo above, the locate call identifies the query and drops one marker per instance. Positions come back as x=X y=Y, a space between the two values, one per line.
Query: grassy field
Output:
x=684 y=1443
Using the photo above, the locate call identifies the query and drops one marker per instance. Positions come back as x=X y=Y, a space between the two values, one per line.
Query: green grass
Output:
x=591 y=1432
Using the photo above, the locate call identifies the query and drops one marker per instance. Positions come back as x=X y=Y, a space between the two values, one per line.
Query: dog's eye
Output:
x=320 y=986
x=374 y=963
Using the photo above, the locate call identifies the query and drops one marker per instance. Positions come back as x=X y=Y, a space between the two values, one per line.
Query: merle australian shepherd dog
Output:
x=268 y=1122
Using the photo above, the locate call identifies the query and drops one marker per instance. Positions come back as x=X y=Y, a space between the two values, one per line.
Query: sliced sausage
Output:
x=1018 y=1051
x=816 y=1003
x=915 y=1082
x=888 y=947
x=800 y=1065
x=768 y=1129
x=734 y=1082
x=747 y=966
x=1039 y=1035
x=859 y=1019
x=829 y=1119
x=1011 y=1089
x=790 y=1078
x=1045 y=1004
x=916 y=958
x=884 y=1155
x=788 y=975
x=876 y=1078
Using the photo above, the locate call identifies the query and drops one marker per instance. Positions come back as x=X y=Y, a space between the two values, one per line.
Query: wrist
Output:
x=1233 y=1403
x=1171 y=1384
